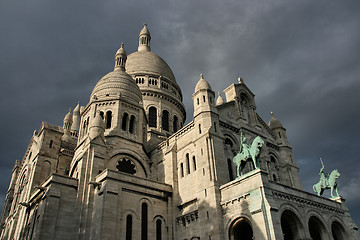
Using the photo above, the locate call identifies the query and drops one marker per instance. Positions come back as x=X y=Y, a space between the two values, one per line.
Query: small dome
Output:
x=202 y=84
x=219 y=100
x=146 y=62
x=274 y=122
x=117 y=83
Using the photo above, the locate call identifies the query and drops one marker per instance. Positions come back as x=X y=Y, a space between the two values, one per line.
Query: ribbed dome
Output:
x=274 y=122
x=117 y=83
x=202 y=84
x=146 y=62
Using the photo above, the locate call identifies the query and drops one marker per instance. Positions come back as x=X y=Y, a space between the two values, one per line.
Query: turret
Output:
x=205 y=112
x=289 y=170
x=203 y=97
x=279 y=131
x=67 y=127
x=97 y=127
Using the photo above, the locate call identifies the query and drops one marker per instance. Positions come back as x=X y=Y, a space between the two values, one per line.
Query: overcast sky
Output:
x=300 y=58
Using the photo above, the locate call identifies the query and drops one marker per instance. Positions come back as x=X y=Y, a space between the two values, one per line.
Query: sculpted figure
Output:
x=248 y=153
x=327 y=182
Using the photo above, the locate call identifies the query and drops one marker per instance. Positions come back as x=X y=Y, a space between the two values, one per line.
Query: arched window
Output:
x=46 y=169
x=51 y=143
x=231 y=175
x=194 y=163
x=291 y=226
x=175 y=124
x=158 y=229
x=338 y=231
x=87 y=125
x=152 y=117
x=165 y=120
x=128 y=227
x=187 y=164
x=199 y=128
x=108 y=119
x=204 y=98
x=144 y=221
x=181 y=169
x=124 y=121
x=241 y=229
x=102 y=114
x=132 y=124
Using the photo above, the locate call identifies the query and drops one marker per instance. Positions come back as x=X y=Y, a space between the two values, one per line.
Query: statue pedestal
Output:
x=338 y=199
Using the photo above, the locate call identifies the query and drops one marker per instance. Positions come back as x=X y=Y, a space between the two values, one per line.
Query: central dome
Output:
x=146 y=62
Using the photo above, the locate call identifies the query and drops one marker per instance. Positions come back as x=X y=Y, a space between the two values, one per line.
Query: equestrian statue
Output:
x=248 y=153
x=327 y=181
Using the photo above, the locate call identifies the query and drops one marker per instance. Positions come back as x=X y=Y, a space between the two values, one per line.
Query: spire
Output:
x=120 y=58
x=219 y=100
x=241 y=80
x=144 y=39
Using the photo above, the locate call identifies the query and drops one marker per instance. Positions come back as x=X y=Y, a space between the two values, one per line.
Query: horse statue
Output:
x=248 y=152
x=329 y=182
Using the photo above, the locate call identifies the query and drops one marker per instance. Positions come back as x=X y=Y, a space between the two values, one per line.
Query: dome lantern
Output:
x=120 y=58
x=144 y=39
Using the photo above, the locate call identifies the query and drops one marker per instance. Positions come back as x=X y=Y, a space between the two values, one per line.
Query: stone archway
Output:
x=317 y=229
x=241 y=229
x=291 y=226
x=338 y=231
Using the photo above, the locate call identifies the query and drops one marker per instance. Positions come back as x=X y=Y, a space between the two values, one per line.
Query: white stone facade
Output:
x=124 y=167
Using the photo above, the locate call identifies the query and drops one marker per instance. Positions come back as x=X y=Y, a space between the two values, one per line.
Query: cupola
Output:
x=120 y=58
x=144 y=39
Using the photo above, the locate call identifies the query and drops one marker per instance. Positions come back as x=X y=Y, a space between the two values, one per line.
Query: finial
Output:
x=145 y=24
x=122 y=45
x=69 y=110
x=272 y=113
x=241 y=80
x=201 y=76
x=219 y=93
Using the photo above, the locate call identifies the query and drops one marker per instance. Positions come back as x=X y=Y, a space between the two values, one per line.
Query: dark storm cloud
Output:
x=300 y=58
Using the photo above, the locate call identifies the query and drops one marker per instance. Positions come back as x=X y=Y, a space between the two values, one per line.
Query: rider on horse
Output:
x=244 y=146
x=323 y=176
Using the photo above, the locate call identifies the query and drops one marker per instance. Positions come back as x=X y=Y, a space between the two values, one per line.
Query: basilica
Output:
x=124 y=166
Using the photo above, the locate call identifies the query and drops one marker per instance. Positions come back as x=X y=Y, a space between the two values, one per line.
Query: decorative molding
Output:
x=187 y=218
x=307 y=202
